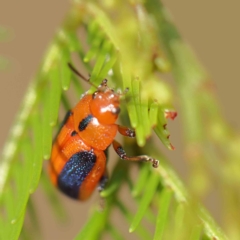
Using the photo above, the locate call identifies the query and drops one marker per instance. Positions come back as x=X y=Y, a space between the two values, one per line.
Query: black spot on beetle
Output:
x=83 y=124
x=68 y=114
x=73 y=133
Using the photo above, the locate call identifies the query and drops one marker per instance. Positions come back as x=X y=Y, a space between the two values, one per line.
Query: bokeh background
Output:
x=210 y=27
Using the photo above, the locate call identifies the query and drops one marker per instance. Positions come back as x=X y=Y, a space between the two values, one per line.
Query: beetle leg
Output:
x=122 y=154
x=125 y=131
x=102 y=182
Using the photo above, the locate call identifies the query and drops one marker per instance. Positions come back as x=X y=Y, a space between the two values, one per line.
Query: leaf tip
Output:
x=171 y=147
x=170 y=114
x=86 y=59
x=131 y=229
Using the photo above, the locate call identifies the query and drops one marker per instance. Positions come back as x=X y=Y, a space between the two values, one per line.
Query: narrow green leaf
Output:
x=92 y=52
x=210 y=228
x=145 y=120
x=92 y=28
x=37 y=156
x=196 y=232
x=77 y=85
x=94 y=227
x=145 y=201
x=11 y=227
x=65 y=73
x=164 y=204
x=116 y=181
x=148 y=215
x=95 y=39
x=54 y=92
x=136 y=96
x=104 y=23
x=179 y=222
x=24 y=175
x=108 y=65
x=116 y=235
x=8 y=210
x=111 y=189
x=94 y=36
x=153 y=113
x=162 y=131
x=65 y=102
x=129 y=182
x=126 y=78
x=2 y=223
x=141 y=231
x=34 y=228
x=16 y=228
x=54 y=200
x=141 y=181
x=137 y=104
x=73 y=43
x=46 y=128
x=101 y=58
x=10 y=149
x=140 y=135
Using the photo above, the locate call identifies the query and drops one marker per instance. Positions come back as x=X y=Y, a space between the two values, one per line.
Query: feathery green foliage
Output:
x=123 y=41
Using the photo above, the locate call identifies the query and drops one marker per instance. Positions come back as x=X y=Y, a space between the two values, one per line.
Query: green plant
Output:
x=129 y=38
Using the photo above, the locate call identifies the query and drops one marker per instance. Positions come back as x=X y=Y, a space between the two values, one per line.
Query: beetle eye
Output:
x=116 y=110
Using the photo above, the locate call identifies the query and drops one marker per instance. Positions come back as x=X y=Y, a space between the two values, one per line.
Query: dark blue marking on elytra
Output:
x=83 y=124
x=75 y=171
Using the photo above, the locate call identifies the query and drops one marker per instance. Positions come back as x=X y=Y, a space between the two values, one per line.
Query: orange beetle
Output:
x=78 y=161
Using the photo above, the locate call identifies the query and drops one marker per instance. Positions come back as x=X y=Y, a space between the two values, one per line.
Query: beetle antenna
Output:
x=124 y=92
x=80 y=75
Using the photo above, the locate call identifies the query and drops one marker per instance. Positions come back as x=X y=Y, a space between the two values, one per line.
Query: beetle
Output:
x=78 y=158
